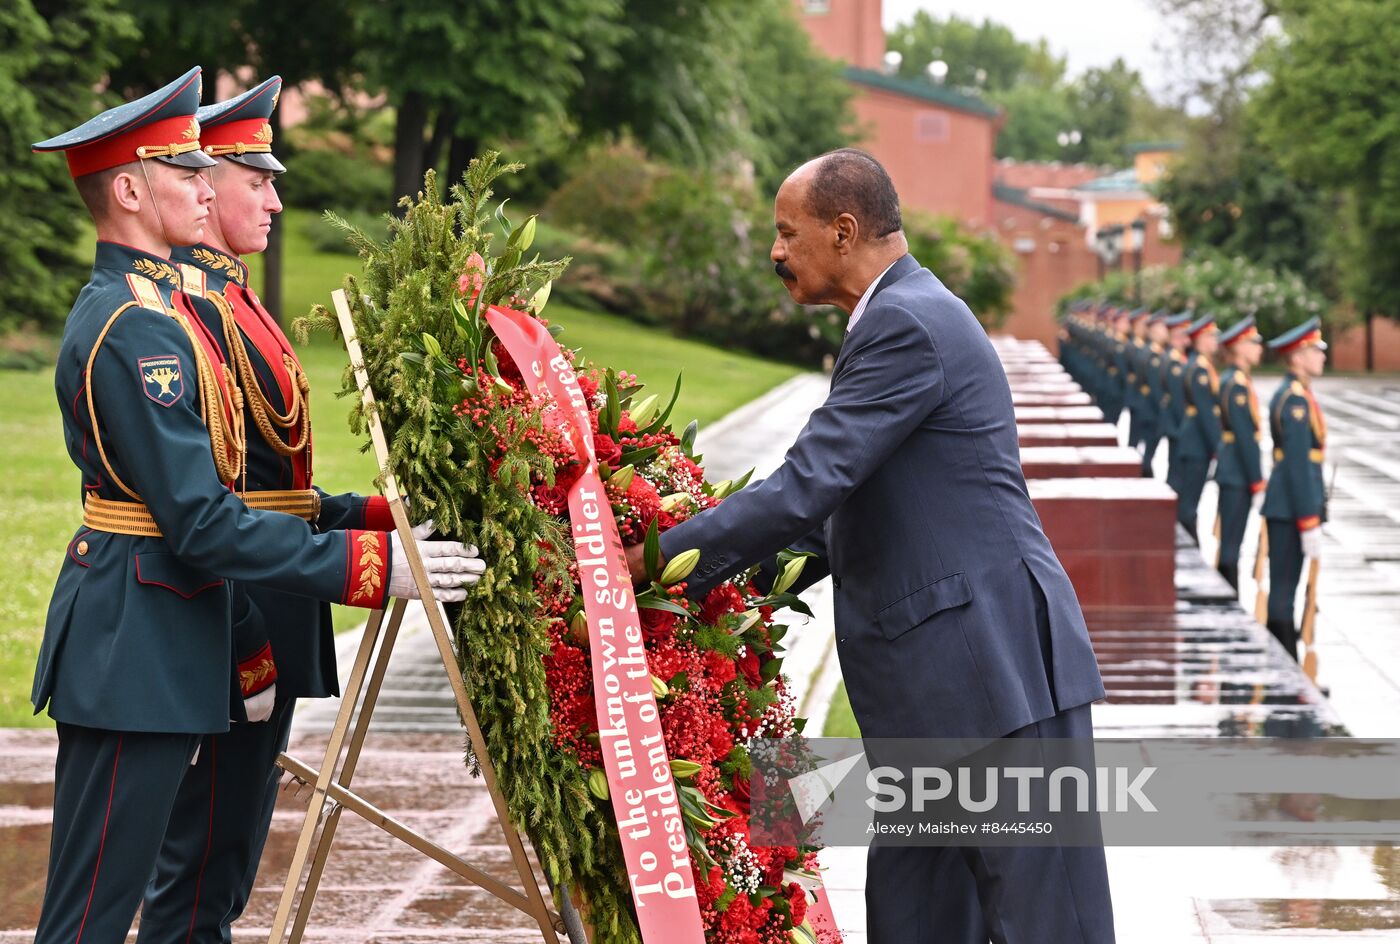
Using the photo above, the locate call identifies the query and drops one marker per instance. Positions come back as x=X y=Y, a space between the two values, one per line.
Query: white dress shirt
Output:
x=865 y=299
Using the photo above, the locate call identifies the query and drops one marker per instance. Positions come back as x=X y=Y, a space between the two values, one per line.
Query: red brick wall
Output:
x=940 y=158
x=1056 y=262
x=850 y=30
x=1348 y=348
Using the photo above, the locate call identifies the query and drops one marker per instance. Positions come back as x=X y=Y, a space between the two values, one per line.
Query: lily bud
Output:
x=527 y=234
x=659 y=688
x=578 y=629
x=622 y=478
x=789 y=576
x=598 y=783
x=643 y=413
x=674 y=501
x=540 y=299
x=684 y=769
x=679 y=567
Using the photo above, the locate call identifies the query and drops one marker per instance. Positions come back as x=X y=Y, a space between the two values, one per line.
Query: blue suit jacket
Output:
x=907 y=481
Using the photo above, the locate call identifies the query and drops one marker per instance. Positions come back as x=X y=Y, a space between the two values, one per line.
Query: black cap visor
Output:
x=195 y=158
x=258 y=160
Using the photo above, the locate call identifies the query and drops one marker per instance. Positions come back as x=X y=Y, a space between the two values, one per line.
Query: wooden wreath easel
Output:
x=331 y=783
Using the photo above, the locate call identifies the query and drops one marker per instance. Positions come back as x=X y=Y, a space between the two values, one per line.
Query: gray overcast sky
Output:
x=1089 y=32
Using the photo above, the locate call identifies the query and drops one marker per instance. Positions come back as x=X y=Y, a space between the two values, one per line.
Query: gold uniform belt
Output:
x=124 y=517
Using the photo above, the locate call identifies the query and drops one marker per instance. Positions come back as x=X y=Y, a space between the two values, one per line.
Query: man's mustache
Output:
x=783 y=271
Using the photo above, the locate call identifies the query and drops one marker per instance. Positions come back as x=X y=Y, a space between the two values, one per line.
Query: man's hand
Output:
x=637 y=564
x=1312 y=543
x=451 y=567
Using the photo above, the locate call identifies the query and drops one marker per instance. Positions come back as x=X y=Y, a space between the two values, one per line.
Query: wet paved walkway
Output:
x=1207 y=669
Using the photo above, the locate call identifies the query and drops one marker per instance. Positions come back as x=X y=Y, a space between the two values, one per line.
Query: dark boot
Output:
x=1287 y=634
x=1231 y=573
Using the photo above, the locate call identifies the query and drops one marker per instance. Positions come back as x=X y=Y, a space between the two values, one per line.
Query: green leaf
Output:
x=660 y=421
x=651 y=551
x=612 y=410
x=639 y=457
x=651 y=601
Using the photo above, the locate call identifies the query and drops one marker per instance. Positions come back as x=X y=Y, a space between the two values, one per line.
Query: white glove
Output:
x=259 y=707
x=451 y=566
x=1312 y=543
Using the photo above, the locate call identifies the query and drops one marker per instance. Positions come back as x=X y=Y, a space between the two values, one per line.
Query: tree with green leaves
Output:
x=710 y=85
x=984 y=55
x=299 y=41
x=461 y=76
x=1330 y=111
x=1227 y=190
x=56 y=55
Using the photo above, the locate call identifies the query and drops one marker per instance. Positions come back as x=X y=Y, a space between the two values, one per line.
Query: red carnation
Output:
x=606 y=450
x=657 y=625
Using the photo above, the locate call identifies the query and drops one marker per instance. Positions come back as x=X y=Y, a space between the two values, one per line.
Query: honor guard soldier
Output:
x=1115 y=363
x=1150 y=387
x=1132 y=386
x=222 y=812
x=1295 y=503
x=1198 y=436
x=1237 y=468
x=137 y=662
x=1172 y=376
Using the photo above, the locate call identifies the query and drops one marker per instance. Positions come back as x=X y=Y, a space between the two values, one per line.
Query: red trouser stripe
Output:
x=102 y=844
x=209 y=838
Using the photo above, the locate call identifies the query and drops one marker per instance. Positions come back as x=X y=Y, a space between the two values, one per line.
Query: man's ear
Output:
x=127 y=192
x=847 y=230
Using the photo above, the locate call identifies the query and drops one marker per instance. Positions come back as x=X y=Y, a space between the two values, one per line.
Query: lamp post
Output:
x=1108 y=245
x=1138 y=235
x=938 y=71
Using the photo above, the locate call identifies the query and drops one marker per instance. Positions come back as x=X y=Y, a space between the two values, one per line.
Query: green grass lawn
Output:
x=41 y=487
x=840 y=723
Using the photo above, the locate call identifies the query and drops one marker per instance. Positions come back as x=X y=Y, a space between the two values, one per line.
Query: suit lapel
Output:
x=902 y=267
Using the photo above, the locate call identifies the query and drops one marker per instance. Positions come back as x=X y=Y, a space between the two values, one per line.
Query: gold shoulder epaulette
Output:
x=144 y=291
x=1297 y=389
x=192 y=280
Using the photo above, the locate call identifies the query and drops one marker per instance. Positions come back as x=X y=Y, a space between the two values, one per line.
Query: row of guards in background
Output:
x=1159 y=366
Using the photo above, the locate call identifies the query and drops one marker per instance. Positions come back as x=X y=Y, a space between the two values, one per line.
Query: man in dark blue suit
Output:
x=954 y=618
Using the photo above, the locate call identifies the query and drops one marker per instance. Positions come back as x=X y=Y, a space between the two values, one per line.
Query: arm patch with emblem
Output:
x=162 y=377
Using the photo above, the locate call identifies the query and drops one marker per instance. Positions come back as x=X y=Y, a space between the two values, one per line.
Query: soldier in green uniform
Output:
x=1237 y=468
x=1172 y=377
x=1150 y=387
x=1295 y=503
x=137 y=660
x=1114 y=362
x=1132 y=387
x=1198 y=436
x=224 y=808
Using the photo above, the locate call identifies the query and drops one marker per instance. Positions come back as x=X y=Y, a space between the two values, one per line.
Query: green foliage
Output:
x=697 y=244
x=978 y=269
x=1231 y=287
x=414 y=329
x=690 y=250
x=983 y=55
x=1035 y=117
x=1331 y=112
x=326 y=236
x=699 y=83
x=329 y=180
x=56 y=53
x=1228 y=191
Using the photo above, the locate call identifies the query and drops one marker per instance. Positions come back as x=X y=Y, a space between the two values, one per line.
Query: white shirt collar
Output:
x=865 y=299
